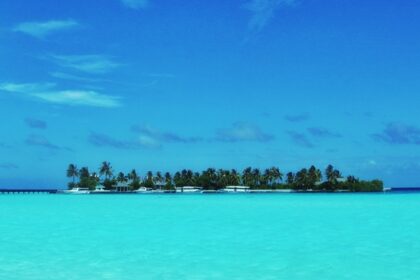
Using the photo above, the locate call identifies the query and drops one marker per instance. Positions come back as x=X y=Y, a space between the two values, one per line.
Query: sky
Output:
x=166 y=85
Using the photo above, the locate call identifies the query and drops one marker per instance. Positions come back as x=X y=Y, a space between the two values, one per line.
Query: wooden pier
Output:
x=28 y=191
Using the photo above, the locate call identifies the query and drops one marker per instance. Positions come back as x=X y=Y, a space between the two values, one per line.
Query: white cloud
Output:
x=43 y=29
x=79 y=97
x=23 y=88
x=135 y=4
x=65 y=76
x=149 y=141
x=242 y=131
x=47 y=93
x=149 y=134
x=263 y=11
x=93 y=64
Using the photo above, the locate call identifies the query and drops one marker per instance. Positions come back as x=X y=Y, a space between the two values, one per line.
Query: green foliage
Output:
x=168 y=181
x=88 y=182
x=135 y=184
x=364 y=186
x=121 y=178
x=105 y=170
x=306 y=179
x=148 y=182
x=72 y=172
x=109 y=183
x=71 y=185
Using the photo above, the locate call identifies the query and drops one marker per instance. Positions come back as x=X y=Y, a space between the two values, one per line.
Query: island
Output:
x=214 y=180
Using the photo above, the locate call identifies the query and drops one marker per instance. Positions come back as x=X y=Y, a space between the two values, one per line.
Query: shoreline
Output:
x=204 y=192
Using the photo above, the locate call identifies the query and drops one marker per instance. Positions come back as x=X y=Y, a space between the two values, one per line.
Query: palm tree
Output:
x=196 y=179
x=158 y=179
x=106 y=170
x=276 y=174
x=212 y=175
x=148 y=182
x=352 y=180
x=121 y=177
x=256 y=177
x=315 y=175
x=266 y=178
x=168 y=180
x=134 y=178
x=189 y=178
x=290 y=178
x=72 y=172
x=301 y=179
x=332 y=174
x=224 y=178
x=178 y=179
x=133 y=175
x=247 y=176
x=234 y=178
x=84 y=172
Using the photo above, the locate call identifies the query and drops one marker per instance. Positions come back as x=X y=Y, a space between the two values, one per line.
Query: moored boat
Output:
x=77 y=191
x=144 y=190
x=236 y=189
x=188 y=189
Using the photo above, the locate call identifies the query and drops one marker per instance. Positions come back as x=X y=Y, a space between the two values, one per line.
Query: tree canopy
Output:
x=305 y=179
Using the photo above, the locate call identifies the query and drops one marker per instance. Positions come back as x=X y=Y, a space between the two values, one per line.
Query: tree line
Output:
x=305 y=179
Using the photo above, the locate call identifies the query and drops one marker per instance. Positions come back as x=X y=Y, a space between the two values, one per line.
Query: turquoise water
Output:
x=286 y=236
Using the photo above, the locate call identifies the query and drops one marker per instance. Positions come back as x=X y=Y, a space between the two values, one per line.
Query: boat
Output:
x=77 y=191
x=100 y=189
x=235 y=189
x=144 y=190
x=188 y=189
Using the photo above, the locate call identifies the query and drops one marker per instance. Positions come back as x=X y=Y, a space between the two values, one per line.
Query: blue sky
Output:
x=166 y=85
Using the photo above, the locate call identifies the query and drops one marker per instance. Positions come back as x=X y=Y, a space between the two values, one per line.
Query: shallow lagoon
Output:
x=248 y=236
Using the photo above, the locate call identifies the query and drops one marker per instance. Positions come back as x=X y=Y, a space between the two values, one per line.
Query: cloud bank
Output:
x=35 y=123
x=48 y=93
x=41 y=141
x=297 y=118
x=300 y=139
x=263 y=11
x=241 y=131
x=320 y=132
x=91 y=64
x=44 y=29
x=399 y=134
x=156 y=136
x=8 y=166
x=103 y=140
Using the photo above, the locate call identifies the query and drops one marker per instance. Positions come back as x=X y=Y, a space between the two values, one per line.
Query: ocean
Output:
x=229 y=236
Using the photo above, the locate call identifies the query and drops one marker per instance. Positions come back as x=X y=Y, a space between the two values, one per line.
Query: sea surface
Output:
x=248 y=236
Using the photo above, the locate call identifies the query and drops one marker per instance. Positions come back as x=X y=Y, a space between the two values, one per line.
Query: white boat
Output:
x=99 y=189
x=188 y=189
x=77 y=191
x=236 y=189
x=144 y=190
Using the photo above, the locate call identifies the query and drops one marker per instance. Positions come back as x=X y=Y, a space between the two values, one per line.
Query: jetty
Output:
x=28 y=191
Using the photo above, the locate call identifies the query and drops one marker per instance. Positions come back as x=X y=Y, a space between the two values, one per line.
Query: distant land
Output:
x=306 y=179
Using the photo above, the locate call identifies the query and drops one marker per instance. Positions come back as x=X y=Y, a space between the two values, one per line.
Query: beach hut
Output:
x=122 y=187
